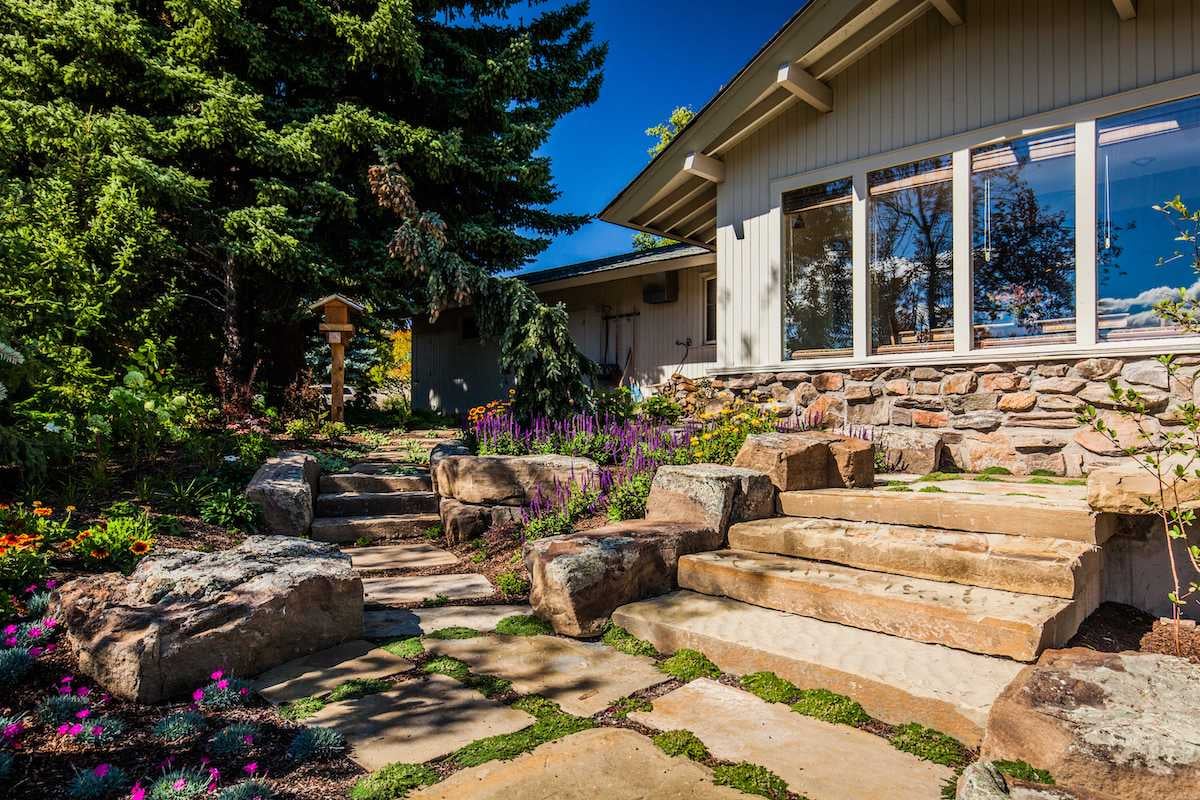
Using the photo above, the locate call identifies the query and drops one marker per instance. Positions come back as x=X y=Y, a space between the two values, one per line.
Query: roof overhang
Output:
x=676 y=194
x=620 y=268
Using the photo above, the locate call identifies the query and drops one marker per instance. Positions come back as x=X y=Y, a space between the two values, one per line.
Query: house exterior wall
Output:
x=453 y=374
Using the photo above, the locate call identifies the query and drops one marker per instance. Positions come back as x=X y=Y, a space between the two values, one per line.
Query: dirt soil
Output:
x=1114 y=628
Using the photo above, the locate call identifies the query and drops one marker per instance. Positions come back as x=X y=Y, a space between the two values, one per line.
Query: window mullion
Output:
x=862 y=313
x=1085 y=233
x=963 y=291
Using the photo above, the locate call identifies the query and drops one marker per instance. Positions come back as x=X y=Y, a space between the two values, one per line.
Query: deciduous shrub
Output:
x=722 y=438
x=661 y=408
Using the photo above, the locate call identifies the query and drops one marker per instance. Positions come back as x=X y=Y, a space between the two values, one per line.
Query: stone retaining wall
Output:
x=998 y=414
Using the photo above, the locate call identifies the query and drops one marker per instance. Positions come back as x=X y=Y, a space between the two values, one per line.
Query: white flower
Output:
x=52 y=428
x=231 y=459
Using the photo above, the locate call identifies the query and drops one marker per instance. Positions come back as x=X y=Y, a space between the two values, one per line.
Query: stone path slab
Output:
x=321 y=672
x=582 y=677
x=388 y=623
x=410 y=589
x=401 y=555
x=601 y=764
x=417 y=721
x=819 y=760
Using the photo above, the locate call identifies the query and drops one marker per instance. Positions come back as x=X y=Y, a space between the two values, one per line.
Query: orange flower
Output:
x=99 y=555
x=37 y=503
x=70 y=509
x=43 y=511
x=139 y=548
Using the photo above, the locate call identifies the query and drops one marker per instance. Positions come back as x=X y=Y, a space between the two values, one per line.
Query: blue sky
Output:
x=662 y=53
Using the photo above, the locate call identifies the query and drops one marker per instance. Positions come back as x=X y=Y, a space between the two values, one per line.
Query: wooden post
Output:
x=338 y=330
x=337 y=377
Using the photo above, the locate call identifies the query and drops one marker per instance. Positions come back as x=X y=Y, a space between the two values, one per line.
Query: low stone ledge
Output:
x=181 y=614
x=579 y=579
x=443 y=450
x=509 y=480
x=1125 y=489
x=285 y=490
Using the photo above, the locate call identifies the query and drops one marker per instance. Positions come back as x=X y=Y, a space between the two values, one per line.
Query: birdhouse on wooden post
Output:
x=335 y=324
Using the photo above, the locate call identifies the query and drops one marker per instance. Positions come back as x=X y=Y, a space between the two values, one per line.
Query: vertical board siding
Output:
x=1010 y=59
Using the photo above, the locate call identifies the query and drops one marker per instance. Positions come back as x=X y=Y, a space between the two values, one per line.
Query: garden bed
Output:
x=1115 y=628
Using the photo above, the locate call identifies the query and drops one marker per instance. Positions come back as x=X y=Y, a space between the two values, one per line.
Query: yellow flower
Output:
x=70 y=509
x=139 y=548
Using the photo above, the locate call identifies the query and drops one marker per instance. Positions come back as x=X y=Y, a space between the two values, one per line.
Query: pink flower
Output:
x=243 y=691
x=97 y=730
x=9 y=630
x=83 y=713
x=248 y=739
x=50 y=648
x=216 y=676
x=64 y=690
x=137 y=792
x=198 y=695
x=222 y=684
x=179 y=784
x=35 y=631
x=64 y=729
x=75 y=729
x=13 y=730
x=31 y=588
x=36 y=651
x=66 y=679
x=50 y=624
x=250 y=768
x=214 y=774
x=101 y=770
x=83 y=691
x=50 y=584
x=204 y=761
x=10 y=641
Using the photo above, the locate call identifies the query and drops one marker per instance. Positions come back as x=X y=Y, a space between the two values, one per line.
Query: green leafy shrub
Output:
x=1023 y=771
x=932 y=490
x=118 y=543
x=178 y=727
x=394 y=781
x=524 y=625
x=312 y=744
x=751 y=779
x=688 y=665
x=233 y=741
x=229 y=508
x=100 y=782
x=625 y=642
x=300 y=429
x=830 y=706
x=719 y=444
x=770 y=687
x=681 y=743
x=930 y=745
x=511 y=584
x=661 y=408
x=15 y=663
x=627 y=499
x=455 y=632
x=247 y=790
x=358 y=687
x=180 y=784
x=253 y=449
x=997 y=470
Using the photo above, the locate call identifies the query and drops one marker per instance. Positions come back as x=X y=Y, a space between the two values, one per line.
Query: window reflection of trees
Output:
x=818 y=295
x=912 y=268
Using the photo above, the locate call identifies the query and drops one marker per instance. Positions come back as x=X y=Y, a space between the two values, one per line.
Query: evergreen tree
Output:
x=197 y=169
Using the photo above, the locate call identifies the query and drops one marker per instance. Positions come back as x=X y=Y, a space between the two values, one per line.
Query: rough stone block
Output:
x=285 y=490
x=462 y=521
x=510 y=480
x=710 y=495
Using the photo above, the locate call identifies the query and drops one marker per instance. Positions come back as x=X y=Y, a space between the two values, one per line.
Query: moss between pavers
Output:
x=751 y=779
x=932 y=490
x=394 y=781
x=358 y=687
x=524 y=625
x=486 y=685
x=625 y=642
x=939 y=476
x=770 y=687
x=930 y=745
x=681 y=743
x=688 y=665
x=1023 y=771
x=897 y=486
x=300 y=709
x=552 y=723
x=830 y=707
x=455 y=632
x=407 y=647
x=627 y=705
x=995 y=471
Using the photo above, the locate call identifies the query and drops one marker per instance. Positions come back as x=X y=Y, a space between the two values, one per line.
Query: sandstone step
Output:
x=387 y=467
x=896 y=680
x=1016 y=515
x=407 y=554
x=1041 y=566
x=368 y=482
x=987 y=621
x=345 y=530
x=362 y=504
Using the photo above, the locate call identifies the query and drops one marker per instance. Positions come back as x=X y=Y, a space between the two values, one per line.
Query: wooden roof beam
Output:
x=706 y=167
x=1126 y=9
x=806 y=87
x=698 y=206
x=880 y=29
x=751 y=120
x=656 y=211
x=952 y=10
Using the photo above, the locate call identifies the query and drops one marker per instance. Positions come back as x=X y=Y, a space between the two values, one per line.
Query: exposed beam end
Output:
x=806 y=87
x=1126 y=9
x=705 y=167
x=952 y=10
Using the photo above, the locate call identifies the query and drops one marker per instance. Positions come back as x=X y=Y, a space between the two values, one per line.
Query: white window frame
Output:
x=1087 y=343
x=705 y=280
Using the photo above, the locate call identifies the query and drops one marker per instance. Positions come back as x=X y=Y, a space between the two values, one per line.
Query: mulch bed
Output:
x=1115 y=628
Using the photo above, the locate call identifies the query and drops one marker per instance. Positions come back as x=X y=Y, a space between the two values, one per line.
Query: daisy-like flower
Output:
x=223 y=684
x=75 y=729
x=83 y=691
x=9 y=630
x=51 y=584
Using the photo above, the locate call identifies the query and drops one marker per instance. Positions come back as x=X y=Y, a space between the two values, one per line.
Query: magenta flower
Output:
x=13 y=730
x=75 y=729
x=10 y=641
x=243 y=691
x=83 y=713
x=204 y=761
x=50 y=584
x=137 y=792
x=179 y=784
x=35 y=632
x=64 y=729
x=222 y=684
x=9 y=630
x=214 y=774
x=83 y=691
x=97 y=730
x=66 y=679
x=101 y=770
x=36 y=651
x=50 y=648
x=198 y=695
x=250 y=768
x=248 y=739
x=216 y=676
x=31 y=588
x=50 y=624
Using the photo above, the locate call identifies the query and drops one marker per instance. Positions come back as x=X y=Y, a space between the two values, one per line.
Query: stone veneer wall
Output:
x=1020 y=416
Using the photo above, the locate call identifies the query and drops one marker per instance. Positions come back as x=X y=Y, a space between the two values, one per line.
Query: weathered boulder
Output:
x=510 y=480
x=181 y=614
x=981 y=781
x=578 y=579
x=285 y=489
x=809 y=460
x=918 y=452
x=1116 y=725
x=1124 y=489
x=462 y=521
x=443 y=450
x=710 y=495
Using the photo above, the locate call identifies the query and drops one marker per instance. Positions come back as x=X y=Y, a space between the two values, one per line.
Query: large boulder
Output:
x=285 y=489
x=710 y=495
x=1113 y=725
x=809 y=460
x=181 y=614
x=579 y=579
x=1131 y=489
x=914 y=451
x=510 y=480
x=444 y=450
x=462 y=522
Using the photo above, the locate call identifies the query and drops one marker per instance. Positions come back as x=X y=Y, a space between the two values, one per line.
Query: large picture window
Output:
x=911 y=250
x=1143 y=159
x=1023 y=240
x=818 y=271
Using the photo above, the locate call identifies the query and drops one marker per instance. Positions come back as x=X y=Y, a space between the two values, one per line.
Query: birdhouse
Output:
x=335 y=324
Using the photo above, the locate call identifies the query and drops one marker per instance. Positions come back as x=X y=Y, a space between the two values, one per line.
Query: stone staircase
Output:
x=368 y=503
x=922 y=605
